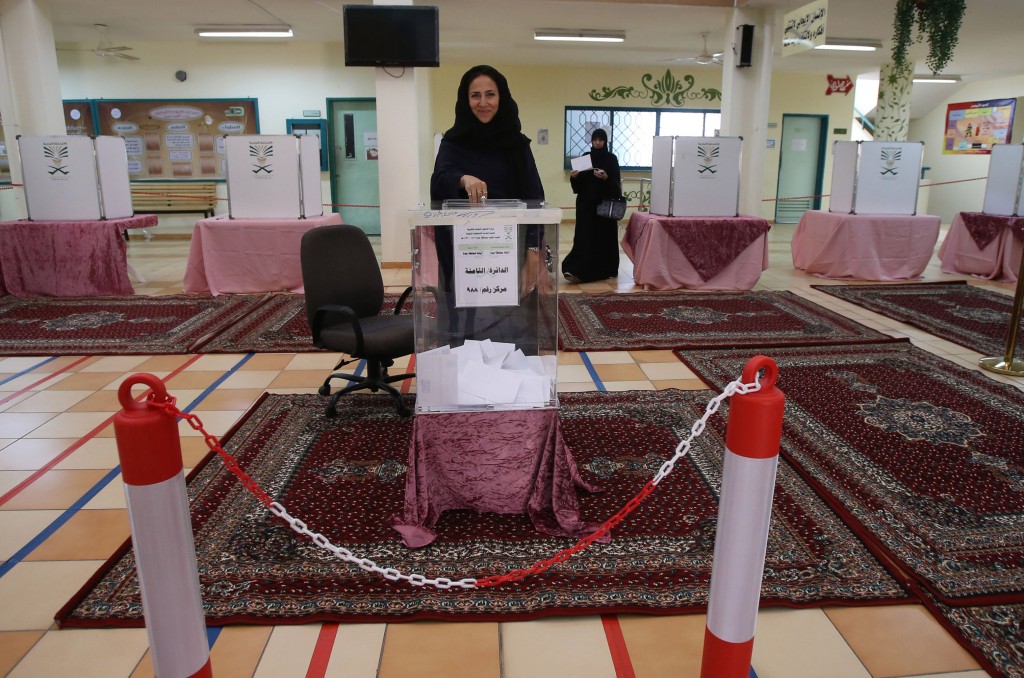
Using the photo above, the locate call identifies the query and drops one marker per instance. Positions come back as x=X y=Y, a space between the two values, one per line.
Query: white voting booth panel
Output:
x=485 y=338
x=875 y=177
x=1005 y=176
x=696 y=176
x=75 y=178
x=273 y=176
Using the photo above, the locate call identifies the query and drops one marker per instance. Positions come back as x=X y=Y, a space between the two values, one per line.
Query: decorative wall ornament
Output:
x=667 y=91
x=892 y=118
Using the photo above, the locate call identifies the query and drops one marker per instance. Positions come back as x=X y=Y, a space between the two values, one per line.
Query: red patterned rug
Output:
x=968 y=315
x=924 y=457
x=131 y=325
x=279 y=326
x=653 y=320
x=345 y=477
x=994 y=634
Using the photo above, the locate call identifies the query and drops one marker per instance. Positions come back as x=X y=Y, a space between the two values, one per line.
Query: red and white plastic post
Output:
x=165 y=555
x=752 y=439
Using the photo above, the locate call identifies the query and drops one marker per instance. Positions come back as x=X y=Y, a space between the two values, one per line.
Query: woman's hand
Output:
x=574 y=173
x=600 y=174
x=534 y=274
x=475 y=188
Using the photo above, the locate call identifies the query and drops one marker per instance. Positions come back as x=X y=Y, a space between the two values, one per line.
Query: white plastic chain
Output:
x=392 y=574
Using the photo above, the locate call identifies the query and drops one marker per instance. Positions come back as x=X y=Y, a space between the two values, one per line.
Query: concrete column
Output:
x=745 y=99
x=30 y=99
x=892 y=114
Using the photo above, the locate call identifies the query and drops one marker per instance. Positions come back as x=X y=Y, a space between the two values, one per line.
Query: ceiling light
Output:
x=245 y=31
x=579 y=35
x=850 y=45
x=938 y=79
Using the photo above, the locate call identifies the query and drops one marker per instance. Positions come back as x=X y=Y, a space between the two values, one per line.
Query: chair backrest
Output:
x=339 y=267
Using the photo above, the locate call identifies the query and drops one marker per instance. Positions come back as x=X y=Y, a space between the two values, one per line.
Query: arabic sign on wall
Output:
x=804 y=28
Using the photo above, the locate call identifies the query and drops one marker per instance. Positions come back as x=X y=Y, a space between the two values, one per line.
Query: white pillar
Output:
x=399 y=163
x=30 y=100
x=746 y=94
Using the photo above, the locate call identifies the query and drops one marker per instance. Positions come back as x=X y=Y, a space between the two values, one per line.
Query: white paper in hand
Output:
x=582 y=163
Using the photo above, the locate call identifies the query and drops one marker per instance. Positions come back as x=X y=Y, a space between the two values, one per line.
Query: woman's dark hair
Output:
x=503 y=131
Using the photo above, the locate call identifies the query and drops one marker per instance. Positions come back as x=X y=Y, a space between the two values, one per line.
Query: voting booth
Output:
x=696 y=176
x=273 y=176
x=75 y=178
x=875 y=177
x=485 y=306
x=1005 y=177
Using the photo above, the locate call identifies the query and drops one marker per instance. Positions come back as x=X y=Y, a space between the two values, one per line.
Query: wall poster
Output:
x=176 y=139
x=973 y=127
x=78 y=117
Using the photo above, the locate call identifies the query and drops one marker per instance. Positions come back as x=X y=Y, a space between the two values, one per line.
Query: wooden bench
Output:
x=174 y=196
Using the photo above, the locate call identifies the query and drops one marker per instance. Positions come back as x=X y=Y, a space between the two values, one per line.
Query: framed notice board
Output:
x=79 y=117
x=176 y=138
x=314 y=127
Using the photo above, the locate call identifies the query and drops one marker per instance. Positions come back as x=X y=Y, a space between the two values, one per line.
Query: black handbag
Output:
x=612 y=208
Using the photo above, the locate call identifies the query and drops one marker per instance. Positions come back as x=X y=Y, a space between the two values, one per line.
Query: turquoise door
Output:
x=355 y=188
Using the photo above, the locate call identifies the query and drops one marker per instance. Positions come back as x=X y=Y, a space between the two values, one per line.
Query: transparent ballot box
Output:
x=485 y=306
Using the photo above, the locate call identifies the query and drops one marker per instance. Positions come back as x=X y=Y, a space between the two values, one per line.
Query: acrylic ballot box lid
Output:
x=485 y=306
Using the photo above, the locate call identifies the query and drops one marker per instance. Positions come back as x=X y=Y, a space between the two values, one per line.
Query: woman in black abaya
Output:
x=595 y=244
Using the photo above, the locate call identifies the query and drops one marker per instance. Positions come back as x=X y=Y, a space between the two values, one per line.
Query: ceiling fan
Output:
x=105 y=49
x=705 y=58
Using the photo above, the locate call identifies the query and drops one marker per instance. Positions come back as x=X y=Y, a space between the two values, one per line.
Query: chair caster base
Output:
x=324 y=390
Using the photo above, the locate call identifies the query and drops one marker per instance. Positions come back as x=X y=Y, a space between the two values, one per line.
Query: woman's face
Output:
x=483 y=98
x=597 y=142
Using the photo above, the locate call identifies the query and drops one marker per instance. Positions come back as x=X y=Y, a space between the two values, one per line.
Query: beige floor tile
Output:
x=357 y=650
x=229 y=399
x=111 y=496
x=20 y=424
x=215 y=422
x=88 y=381
x=97 y=453
x=575 y=387
x=87 y=535
x=609 y=358
x=50 y=401
x=55 y=490
x=625 y=372
x=424 y=650
x=574 y=374
x=161 y=363
x=9 y=399
x=84 y=653
x=570 y=358
x=116 y=363
x=193 y=379
x=101 y=401
x=567 y=647
x=628 y=386
x=250 y=379
x=315 y=361
x=70 y=424
x=268 y=361
x=663 y=371
x=237 y=651
x=13 y=646
x=31 y=454
x=21 y=527
x=216 y=362
x=288 y=647
x=309 y=379
x=784 y=634
x=654 y=356
x=900 y=640
x=664 y=646
x=33 y=592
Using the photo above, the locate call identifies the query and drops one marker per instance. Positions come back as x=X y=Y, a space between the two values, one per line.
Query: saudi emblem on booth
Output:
x=707 y=155
x=262 y=152
x=56 y=154
x=890 y=158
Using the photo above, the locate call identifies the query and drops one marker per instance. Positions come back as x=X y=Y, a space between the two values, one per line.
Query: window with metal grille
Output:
x=630 y=130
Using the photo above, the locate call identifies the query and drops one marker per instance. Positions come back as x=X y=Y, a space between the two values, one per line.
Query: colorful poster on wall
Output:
x=176 y=139
x=973 y=127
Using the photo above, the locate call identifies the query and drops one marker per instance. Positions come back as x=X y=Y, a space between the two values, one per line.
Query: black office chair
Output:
x=344 y=297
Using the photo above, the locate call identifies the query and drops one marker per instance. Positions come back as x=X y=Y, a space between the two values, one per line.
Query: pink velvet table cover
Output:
x=983 y=245
x=864 y=246
x=238 y=256
x=67 y=258
x=513 y=461
x=708 y=253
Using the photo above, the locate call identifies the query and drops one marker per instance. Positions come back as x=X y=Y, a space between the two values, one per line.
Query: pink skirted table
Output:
x=512 y=461
x=67 y=258
x=864 y=246
x=239 y=256
x=983 y=245
x=705 y=253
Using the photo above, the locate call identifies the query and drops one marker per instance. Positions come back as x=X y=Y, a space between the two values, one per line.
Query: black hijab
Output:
x=599 y=153
x=504 y=131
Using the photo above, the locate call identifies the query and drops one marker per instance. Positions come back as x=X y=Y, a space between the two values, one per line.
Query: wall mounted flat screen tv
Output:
x=391 y=35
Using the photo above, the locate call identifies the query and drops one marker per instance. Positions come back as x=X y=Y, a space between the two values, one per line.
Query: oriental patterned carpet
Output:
x=278 y=326
x=924 y=459
x=129 y=325
x=660 y=320
x=345 y=478
x=967 y=315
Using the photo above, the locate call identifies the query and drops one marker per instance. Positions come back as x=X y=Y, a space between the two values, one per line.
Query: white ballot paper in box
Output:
x=482 y=383
x=495 y=352
x=582 y=163
x=437 y=377
x=535 y=388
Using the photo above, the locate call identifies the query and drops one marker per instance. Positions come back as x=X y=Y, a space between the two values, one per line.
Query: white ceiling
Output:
x=500 y=31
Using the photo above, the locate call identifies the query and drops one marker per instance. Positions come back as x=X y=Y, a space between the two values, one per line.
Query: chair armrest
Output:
x=347 y=315
x=400 y=304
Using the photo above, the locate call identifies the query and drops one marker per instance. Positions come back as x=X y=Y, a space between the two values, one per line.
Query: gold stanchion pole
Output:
x=1007 y=364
